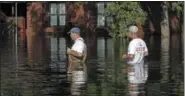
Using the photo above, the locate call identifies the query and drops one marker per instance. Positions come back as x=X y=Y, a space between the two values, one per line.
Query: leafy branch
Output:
x=122 y=14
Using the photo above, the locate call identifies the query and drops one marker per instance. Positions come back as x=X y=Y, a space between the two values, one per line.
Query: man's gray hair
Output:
x=133 y=29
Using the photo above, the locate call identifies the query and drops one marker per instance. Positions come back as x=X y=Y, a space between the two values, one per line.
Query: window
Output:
x=53 y=20
x=108 y=19
x=100 y=17
x=53 y=9
x=101 y=20
x=62 y=14
x=57 y=14
x=53 y=14
x=62 y=9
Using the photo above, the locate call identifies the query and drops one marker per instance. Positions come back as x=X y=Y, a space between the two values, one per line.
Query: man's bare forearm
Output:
x=146 y=54
x=130 y=57
x=74 y=53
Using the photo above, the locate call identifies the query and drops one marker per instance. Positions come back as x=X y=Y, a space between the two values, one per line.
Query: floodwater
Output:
x=39 y=68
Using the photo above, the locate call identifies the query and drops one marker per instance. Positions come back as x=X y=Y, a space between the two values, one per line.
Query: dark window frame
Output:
x=58 y=14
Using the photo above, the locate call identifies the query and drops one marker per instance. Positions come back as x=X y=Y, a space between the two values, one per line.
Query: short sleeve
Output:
x=131 y=48
x=78 y=47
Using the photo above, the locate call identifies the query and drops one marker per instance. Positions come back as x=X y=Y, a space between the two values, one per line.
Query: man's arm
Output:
x=74 y=53
x=128 y=56
x=146 y=53
x=131 y=51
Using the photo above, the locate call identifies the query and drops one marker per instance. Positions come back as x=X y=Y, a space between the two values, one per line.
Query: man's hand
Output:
x=68 y=50
x=128 y=56
x=124 y=56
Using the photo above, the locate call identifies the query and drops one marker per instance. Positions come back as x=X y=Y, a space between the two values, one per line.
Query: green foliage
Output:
x=177 y=6
x=122 y=14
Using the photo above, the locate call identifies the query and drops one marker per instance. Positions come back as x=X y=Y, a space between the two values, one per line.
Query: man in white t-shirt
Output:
x=78 y=49
x=77 y=54
x=137 y=50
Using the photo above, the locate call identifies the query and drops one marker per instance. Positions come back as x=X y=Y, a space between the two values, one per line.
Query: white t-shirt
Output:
x=137 y=47
x=79 y=46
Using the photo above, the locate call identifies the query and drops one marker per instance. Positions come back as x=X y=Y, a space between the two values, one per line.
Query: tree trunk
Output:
x=164 y=43
x=182 y=34
x=165 y=21
x=164 y=59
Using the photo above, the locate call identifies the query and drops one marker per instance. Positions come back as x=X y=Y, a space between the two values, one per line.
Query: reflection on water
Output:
x=78 y=81
x=41 y=68
x=137 y=77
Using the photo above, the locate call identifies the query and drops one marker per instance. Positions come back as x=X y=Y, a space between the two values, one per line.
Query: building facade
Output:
x=55 y=16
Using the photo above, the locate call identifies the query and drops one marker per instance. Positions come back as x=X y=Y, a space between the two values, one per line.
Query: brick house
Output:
x=56 y=16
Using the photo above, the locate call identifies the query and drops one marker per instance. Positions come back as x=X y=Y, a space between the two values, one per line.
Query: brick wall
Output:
x=36 y=18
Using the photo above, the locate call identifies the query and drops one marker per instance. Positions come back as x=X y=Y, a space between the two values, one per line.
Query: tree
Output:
x=177 y=10
x=81 y=14
x=165 y=20
x=122 y=14
x=177 y=6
